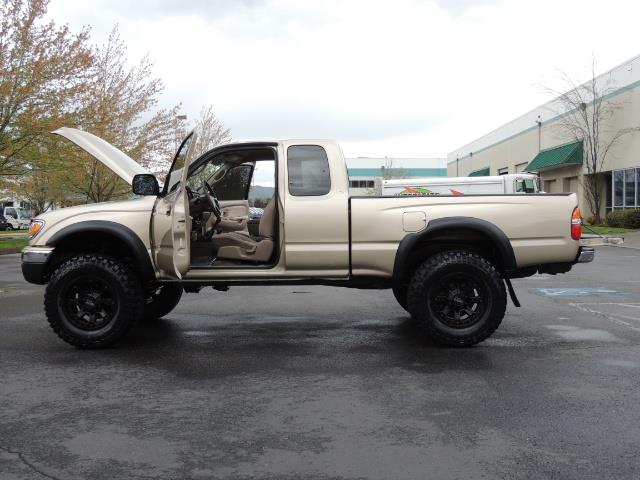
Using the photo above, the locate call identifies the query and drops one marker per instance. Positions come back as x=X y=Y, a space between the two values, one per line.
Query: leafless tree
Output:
x=586 y=116
x=211 y=132
x=389 y=170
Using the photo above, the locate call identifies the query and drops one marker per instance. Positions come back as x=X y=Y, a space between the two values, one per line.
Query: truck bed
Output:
x=538 y=226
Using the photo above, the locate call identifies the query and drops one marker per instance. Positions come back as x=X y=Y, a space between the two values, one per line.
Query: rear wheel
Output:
x=400 y=292
x=92 y=301
x=458 y=298
x=162 y=299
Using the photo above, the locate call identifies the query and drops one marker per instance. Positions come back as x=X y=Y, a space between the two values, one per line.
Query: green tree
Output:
x=119 y=105
x=42 y=71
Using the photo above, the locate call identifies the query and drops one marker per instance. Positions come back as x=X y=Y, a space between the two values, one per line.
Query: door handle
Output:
x=182 y=221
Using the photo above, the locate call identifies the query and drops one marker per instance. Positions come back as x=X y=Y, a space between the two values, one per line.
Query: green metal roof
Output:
x=569 y=154
x=481 y=172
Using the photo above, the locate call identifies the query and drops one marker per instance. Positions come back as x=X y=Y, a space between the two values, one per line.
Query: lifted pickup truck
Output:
x=448 y=259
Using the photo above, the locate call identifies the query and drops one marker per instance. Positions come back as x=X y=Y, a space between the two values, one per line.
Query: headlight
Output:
x=35 y=228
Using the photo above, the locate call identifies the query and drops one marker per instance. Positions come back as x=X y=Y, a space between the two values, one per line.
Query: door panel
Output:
x=316 y=224
x=171 y=232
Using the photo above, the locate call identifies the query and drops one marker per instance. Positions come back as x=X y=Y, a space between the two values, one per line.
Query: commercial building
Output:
x=363 y=171
x=536 y=142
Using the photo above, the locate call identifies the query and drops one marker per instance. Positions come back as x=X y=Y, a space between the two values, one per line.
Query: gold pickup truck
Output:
x=448 y=259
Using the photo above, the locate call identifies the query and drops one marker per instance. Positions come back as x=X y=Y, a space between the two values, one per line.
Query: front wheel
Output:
x=92 y=301
x=161 y=300
x=458 y=298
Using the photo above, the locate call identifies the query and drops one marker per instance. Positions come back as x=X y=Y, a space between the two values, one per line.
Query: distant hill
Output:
x=257 y=191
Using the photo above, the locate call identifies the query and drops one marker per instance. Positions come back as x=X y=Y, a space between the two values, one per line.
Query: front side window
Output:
x=179 y=160
x=308 y=168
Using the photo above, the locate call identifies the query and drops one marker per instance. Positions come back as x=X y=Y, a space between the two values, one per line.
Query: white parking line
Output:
x=613 y=317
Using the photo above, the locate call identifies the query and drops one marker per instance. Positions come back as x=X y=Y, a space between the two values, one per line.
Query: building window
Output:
x=618 y=192
x=609 y=184
x=625 y=186
x=503 y=171
x=308 y=167
x=361 y=184
x=630 y=187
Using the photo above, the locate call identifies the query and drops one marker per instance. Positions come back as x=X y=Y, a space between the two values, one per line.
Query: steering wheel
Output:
x=213 y=203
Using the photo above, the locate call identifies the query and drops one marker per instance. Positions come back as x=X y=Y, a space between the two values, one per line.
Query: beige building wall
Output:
x=515 y=151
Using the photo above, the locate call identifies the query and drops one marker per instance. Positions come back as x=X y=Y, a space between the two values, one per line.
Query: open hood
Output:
x=112 y=158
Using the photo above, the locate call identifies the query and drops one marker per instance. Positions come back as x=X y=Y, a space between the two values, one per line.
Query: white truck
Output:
x=494 y=185
x=18 y=218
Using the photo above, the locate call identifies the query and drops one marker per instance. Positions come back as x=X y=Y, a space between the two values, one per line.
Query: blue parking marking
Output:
x=576 y=292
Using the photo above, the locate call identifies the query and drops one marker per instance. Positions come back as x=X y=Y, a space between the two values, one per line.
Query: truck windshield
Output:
x=23 y=213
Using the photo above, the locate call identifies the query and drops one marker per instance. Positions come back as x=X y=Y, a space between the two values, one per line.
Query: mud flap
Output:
x=512 y=292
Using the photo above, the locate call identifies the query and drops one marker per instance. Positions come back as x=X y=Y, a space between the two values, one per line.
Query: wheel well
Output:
x=454 y=238
x=102 y=242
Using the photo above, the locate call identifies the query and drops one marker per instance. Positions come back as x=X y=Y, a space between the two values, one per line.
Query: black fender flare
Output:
x=497 y=236
x=125 y=234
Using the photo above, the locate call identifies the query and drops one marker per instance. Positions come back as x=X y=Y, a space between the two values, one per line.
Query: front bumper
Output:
x=586 y=255
x=34 y=262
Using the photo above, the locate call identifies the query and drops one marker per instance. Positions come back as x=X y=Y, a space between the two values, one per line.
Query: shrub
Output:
x=624 y=218
x=589 y=220
x=614 y=218
x=632 y=218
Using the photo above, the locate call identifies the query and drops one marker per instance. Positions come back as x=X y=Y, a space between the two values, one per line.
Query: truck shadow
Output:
x=295 y=346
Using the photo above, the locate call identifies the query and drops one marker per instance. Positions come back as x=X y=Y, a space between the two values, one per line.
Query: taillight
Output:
x=576 y=224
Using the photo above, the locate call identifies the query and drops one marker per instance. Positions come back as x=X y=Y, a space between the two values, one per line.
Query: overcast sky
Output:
x=403 y=78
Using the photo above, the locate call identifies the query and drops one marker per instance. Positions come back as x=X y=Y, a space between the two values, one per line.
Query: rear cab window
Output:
x=525 y=185
x=308 y=168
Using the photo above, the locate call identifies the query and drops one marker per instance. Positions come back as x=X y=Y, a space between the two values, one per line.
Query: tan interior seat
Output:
x=241 y=246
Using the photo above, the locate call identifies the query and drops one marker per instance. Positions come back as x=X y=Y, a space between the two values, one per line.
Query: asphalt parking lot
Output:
x=318 y=382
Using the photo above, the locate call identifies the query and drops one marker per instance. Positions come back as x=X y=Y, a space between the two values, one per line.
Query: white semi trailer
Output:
x=493 y=185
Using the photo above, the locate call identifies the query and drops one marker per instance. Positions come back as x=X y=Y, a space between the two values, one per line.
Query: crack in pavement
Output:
x=24 y=460
x=33 y=467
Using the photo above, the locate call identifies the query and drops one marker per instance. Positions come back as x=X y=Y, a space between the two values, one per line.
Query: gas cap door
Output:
x=414 y=221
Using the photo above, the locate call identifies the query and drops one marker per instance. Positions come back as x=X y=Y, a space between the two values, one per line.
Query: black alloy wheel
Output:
x=458 y=298
x=89 y=303
x=92 y=300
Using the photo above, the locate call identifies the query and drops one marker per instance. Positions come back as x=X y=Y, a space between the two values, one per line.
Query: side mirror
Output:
x=145 y=184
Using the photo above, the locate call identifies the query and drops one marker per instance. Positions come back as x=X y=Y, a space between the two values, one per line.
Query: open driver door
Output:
x=171 y=223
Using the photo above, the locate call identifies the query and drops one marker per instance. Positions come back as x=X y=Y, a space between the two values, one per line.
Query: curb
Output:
x=9 y=251
x=623 y=246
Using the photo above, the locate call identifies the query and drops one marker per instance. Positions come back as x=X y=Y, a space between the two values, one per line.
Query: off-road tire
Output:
x=438 y=288
x=123 y=286
x=401 y=292
x=161 y=301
